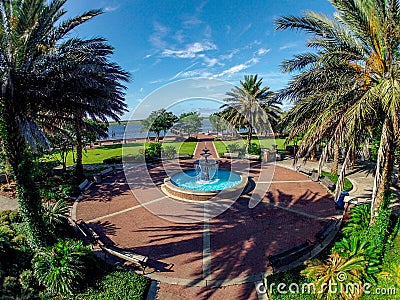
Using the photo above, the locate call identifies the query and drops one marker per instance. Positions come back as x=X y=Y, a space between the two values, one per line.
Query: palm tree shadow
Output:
x=240 y=241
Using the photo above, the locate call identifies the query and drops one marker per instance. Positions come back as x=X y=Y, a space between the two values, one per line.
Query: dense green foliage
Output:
x=60 y=267
x=117 y=285
x=157 y=121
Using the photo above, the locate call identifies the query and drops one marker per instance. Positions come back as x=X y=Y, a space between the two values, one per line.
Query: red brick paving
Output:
x=241 y=238
x=236 y=292
x=205 y=141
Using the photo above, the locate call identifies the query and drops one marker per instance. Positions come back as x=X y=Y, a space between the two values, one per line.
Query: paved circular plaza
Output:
x=227 y=249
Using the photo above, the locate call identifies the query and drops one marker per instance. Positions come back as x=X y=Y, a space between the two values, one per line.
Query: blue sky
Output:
x=160 y=42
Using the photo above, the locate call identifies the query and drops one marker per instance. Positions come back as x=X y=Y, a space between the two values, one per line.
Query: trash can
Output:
x=340 y=203
x=97 y=178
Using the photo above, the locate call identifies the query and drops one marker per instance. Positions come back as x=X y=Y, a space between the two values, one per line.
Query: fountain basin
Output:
x=186 y=186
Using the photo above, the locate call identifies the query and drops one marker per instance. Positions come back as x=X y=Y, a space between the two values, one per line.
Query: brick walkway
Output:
x=229 y=249
x=205 y=141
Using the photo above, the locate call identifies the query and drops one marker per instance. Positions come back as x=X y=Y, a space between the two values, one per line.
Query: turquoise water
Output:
x=188 y=180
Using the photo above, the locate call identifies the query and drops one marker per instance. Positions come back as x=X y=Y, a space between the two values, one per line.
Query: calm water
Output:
x=189 y=181
x=116 y=132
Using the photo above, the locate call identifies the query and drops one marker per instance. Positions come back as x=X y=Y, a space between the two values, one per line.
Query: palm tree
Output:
x=38 y=67
x=334 y=272
x=251 y=105
x=364 y=36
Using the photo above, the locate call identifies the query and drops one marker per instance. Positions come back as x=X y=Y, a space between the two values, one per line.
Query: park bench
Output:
x=328 y=183
x=331 y=225
x=305 y=170
x=85 y=231
x=107 y=172
x=252 y=156
x=290 y=255
x=231 y=155
x=85 y=185
x=138 y=260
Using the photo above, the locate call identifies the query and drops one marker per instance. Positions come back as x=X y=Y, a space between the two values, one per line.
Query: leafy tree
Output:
x=189 y=123
x=46 y=79
x=252 y=106
x=218 y=123
x=157 y=121
x=364 y=38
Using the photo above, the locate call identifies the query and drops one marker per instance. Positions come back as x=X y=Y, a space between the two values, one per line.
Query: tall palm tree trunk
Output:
x=336 y=154
x=21 y=163
x=79 y=153
x=249 y=136
x=384 y=168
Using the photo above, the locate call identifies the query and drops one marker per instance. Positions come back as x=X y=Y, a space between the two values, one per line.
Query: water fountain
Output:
x=207 y=169
x=204 y=182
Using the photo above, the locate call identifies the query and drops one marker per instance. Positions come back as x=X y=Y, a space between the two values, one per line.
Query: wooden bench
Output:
x=84 y=186
x=305 y=170
x=86 y=232
x=330 y=226
x=328 y=183
x=107 y=172
x=290 y=255
x=138 y=260
x=231 y=155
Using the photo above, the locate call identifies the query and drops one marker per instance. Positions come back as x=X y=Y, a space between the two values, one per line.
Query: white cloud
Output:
x=230 y=55
x=178 y=75
x=190 y=21
x=262 y=51
x=232 y=70
x=208 y=32
x=191 y=50
x=247 y=28
x=211 y=62
x=157 y=38
x=111 y=8
x=148 y=56
x=288 y=46
x=238 y=68
x=179 y=36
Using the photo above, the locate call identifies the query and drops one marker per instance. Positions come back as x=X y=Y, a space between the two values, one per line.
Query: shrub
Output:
x=69 y=190
x=118 y=285
x=113 y=160
x=254 y=149
x=60 y=266
x=169 y=152
x=236 y=148
x=55 y=213
x=153 y=150
x=359 y=220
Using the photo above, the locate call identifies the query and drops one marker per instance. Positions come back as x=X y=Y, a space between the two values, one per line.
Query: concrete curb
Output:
x=153 y=290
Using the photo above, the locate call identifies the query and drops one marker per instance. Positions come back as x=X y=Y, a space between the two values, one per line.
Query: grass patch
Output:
x=97 y=155
x=264 y=142
x=348 y=186
x=119 y=284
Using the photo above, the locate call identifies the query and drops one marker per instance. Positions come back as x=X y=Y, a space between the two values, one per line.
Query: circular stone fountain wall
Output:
x=186 y=186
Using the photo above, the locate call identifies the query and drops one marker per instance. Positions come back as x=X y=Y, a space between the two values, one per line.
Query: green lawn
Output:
x=97 y=155
x=263 y=141
x=348 y=186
